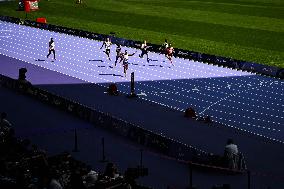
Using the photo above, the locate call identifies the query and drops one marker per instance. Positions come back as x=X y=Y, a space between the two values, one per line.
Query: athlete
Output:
x=125 y=61
x=164 y=47
x=144 y=49
x=119 y=54
x=107 y=45
x=170 y=53
x=51 y=48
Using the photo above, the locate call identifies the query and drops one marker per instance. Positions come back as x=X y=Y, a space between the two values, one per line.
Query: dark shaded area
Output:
x=268 y=152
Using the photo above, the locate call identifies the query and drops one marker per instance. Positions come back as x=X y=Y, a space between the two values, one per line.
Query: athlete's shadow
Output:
x=116 y=75
x=156 y=65
x=39 y=60
x=97 y=60
x=153 y=60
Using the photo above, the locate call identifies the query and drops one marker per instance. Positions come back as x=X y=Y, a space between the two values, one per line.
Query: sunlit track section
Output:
x=241 y=100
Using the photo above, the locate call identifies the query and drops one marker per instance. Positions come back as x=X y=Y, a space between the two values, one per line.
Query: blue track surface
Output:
x=238 y=99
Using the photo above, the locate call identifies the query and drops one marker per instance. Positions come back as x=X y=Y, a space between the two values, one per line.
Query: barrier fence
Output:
x=196 y=56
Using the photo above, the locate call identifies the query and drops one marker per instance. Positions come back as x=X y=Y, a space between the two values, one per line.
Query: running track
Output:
x=238 y=99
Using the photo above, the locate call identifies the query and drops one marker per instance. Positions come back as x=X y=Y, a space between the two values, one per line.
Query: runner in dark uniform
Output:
x=119 y=54
x=164 y=47
x=51 y=48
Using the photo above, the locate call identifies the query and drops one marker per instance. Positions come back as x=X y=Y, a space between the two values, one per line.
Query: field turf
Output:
x=251 y=30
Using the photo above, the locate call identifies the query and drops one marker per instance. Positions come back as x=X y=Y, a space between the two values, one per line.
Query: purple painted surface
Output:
x=36 y=75
x=241 y=100
x=74 y=55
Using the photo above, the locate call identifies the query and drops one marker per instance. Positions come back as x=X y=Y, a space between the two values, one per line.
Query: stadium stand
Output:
x=24 y=166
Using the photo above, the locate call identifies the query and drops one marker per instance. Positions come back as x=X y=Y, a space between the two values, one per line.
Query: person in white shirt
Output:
x=107 y=45
x=49 y=182
x=51 y=48
x=5 y=125
x=231 y=154
x=125 y=61
x=54 y=184
x=90 y=178
x=170 y=53
x=144 y=49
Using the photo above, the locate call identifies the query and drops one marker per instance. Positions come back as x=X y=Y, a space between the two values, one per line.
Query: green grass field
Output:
x=251 y=30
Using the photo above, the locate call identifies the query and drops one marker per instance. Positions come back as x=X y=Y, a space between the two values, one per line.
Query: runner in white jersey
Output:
x=51 y=48
x=107 y=45
x=144 y=49
x=125 y=61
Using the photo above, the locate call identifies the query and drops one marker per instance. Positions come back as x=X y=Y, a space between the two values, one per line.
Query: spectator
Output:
x=111 y=171
x=91 y=177
x=112 y=90
x=5 y=125
x=128 y=186
x=36 y=151
x=23 y=83
x=231 y=154
x=190 y=112
x=76 y=181
x=54 y=184
x=49 y=182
